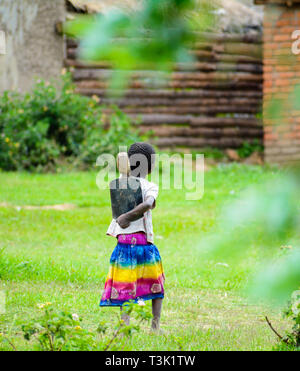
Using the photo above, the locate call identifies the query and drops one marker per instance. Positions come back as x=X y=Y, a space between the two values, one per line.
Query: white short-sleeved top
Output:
x=143 y=224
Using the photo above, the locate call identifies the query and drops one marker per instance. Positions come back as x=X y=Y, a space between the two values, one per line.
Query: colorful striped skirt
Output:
x=135 y=273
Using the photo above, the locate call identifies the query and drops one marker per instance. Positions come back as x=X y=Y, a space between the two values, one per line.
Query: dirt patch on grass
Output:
x=60 y=207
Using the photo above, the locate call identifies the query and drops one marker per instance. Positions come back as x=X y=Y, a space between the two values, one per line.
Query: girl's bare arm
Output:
x=124 y=220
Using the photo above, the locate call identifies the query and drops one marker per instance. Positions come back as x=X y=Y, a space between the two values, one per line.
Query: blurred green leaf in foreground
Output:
x=153 y=37
x=265 y=222
x=154 y=34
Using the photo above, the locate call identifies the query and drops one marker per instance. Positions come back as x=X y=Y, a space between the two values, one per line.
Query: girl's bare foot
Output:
x=158 y=331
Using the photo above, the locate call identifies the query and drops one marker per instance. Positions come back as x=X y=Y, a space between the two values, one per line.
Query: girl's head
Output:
x=141 y=158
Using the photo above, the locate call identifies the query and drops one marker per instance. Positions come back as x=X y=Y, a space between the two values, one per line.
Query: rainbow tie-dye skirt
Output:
x=135 y=273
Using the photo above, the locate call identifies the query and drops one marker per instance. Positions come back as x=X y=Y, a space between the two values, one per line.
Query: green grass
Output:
x=63 y=257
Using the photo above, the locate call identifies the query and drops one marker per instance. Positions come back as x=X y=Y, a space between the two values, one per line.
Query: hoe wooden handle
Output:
x=123 y=163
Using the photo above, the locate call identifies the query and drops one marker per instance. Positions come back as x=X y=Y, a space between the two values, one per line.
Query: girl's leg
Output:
x=125 y=317
x=156 y=311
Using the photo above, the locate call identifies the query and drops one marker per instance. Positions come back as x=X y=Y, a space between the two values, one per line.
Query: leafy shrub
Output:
x=62 y=331
x=39 y=129
x=56 y=331
x=292 y=339
x=248 y=148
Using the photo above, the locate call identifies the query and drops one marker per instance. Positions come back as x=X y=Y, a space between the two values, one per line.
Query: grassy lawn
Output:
x=63 y=257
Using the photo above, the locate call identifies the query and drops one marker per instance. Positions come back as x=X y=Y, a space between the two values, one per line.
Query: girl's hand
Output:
x=123 y=221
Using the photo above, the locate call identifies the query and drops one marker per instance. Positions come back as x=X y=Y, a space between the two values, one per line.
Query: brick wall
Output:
x=281 y=76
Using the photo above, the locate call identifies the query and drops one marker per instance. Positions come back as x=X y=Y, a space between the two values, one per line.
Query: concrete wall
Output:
x=33 y=49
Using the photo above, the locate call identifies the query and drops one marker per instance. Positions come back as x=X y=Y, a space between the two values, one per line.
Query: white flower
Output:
x=141 y=303
x=75 y=317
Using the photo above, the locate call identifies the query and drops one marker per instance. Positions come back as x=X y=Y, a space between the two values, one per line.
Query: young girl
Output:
x=136 y=271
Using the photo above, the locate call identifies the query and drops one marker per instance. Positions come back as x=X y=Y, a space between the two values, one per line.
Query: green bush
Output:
x=56 y=330
x=40 y=129
x=292 y=339
x=248 y=148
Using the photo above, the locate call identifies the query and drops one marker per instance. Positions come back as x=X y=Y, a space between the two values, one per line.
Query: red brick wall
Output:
x=281 y=75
